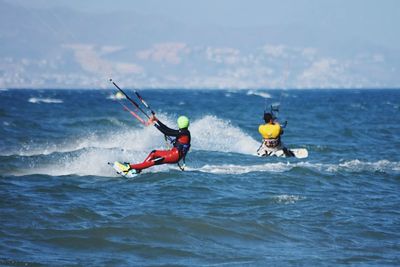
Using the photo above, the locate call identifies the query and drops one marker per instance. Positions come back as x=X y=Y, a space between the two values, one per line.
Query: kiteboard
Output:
x=123 y=169
x=299 y=153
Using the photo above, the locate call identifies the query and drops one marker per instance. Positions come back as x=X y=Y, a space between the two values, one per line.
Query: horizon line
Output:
x=199 y=88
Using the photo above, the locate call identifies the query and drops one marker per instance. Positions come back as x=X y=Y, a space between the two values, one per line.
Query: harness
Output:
x=183 y=149
x=272 y=142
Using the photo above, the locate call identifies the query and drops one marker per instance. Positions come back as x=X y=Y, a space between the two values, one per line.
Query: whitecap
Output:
x=288 y=199
x=349 y=166
x=117 y=96
x=258 y=93
x=242 y=169
x=359 y=166
x=38 y=100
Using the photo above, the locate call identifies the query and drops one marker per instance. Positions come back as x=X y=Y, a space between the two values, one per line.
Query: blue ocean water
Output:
x=62 y=205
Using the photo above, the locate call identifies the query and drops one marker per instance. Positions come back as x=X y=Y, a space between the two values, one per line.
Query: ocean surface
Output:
x=61 y=204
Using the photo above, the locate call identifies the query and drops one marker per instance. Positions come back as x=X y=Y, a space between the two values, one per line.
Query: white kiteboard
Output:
x=123 y=169
x=299 y=153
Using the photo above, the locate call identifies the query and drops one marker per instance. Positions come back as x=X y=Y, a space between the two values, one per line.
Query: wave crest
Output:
x=38 y=100
x=258 y=93
x=348 y=166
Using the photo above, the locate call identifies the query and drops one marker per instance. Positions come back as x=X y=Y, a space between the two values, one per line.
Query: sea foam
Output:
x=89 y=155
x=214 y=134
x=208 y=133
x=347 y=166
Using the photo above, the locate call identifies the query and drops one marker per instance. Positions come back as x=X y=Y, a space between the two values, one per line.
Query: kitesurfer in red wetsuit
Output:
x=181 y=145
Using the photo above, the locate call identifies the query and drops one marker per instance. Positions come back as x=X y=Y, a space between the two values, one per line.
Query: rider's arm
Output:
x=165 y=129
x=260 y=129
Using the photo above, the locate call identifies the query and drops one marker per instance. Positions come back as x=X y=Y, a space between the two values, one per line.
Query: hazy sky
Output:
x=343 y=32
x=372 y=19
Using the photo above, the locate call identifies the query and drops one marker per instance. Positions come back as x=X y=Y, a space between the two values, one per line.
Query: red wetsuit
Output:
x=181 y=146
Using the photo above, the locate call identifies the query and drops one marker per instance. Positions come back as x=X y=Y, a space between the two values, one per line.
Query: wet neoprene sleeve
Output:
x=166 y=130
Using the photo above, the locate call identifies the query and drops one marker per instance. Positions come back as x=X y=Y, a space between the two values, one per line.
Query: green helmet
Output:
x=183 y=122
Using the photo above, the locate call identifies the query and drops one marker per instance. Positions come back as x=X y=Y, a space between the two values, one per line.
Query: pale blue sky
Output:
x=253 y=43
x=374 y=20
